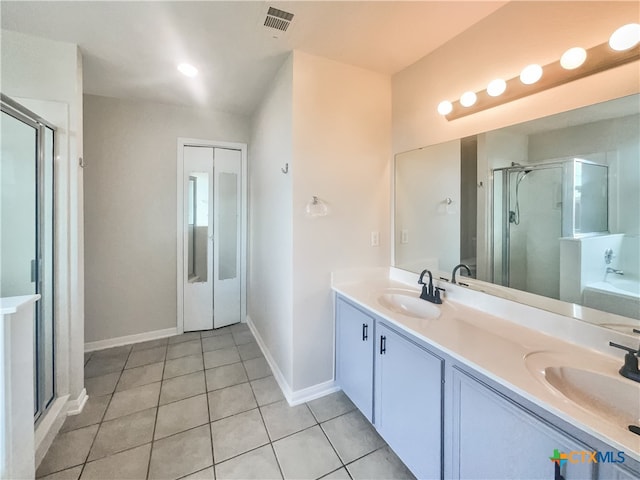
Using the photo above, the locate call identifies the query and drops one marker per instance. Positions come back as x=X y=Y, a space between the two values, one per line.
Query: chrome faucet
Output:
x=613 y=270
x=455 y=270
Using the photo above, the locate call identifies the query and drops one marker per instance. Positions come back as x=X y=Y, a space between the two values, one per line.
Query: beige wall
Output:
x=342 y=152
x=130 y=209
x=501 y=45
x=269 y=295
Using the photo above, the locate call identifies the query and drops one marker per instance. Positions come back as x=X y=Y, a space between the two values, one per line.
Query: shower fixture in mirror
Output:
x=532 y=209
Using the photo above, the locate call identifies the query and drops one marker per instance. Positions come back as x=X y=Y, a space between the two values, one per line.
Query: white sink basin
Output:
x=408 y=303
x=599 y=390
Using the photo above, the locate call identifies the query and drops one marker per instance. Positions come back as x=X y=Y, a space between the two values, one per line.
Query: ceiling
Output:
x=131 y=49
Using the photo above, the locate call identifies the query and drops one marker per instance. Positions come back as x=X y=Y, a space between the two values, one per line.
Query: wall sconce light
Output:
x=623 y=47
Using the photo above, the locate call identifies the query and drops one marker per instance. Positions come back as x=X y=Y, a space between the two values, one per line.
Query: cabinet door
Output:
x=354 y=355
x=496 y=438
x=408 y=402
x=611 y=471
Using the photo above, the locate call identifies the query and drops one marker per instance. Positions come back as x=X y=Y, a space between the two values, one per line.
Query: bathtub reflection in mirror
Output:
x=549 y=207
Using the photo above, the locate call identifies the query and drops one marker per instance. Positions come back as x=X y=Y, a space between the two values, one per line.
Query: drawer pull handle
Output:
x=383 y=344
x=365 y=332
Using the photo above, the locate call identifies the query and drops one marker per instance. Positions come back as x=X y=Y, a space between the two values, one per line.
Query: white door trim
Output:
x=242 y=147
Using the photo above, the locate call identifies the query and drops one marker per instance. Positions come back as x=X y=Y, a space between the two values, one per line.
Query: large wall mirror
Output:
x=545 y=212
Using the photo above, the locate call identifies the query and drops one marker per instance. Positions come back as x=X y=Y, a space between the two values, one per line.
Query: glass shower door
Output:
x=26 y=230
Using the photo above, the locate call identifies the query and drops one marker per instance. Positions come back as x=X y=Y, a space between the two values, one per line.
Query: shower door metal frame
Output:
x=24 y=115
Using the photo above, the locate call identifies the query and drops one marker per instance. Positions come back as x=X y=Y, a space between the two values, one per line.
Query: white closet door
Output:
x=198 y=235
x=227 y=237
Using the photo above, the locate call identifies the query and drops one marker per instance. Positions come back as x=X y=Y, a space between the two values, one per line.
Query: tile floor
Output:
x=205 y=405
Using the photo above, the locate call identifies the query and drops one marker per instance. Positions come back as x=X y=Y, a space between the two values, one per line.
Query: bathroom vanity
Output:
x=481 y=387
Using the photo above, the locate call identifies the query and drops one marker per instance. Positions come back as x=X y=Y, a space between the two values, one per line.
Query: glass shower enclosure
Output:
x=536 y=205
x=27 y=231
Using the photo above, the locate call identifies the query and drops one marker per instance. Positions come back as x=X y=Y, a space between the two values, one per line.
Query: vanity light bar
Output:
x=598 y=59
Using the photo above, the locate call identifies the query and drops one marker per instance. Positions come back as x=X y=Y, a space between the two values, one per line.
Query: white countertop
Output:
x=497 y=347
x=9 y=305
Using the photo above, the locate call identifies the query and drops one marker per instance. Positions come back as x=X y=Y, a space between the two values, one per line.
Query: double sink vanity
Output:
x=480 y=387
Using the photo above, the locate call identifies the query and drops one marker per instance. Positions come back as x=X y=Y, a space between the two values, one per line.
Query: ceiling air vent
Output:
x=278 y=19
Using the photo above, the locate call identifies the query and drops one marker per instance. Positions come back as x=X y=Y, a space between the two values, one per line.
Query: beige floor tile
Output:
x=91 y=414
x=249 y=350
x=237 y=434
x=97 y=366
x=223 y=356
x=182 y=415
x=217 y=342
x=68 y=450
x=185 y=337
x=183 y=366
x=331 y=406
x=206 y=474
x=123 y=433
x=259 y=464
x=257 y=368
x=102 y=385
x=184 y=386
x=134 y=377
x=231 y=400
x=181 y=454
x=266 y=390
x=243 y=336
x=133 y=400
x=158 y=342
x=184 y=349
x=146 y=357
x=340 y=474
x=130 y=464
x=352 y=436
x=225 y=376
x=282 y=420
x=382 y=464
x=69 y=474
x=296 y=462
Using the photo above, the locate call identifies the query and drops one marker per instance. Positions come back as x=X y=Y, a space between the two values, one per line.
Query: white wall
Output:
x=424 y=179
x=46 y=77
x=330 y=122
x=501 y=45
x=270 y=289
x=130 y=209
x=342 y=154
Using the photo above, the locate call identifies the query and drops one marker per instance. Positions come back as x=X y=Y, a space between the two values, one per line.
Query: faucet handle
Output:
x=635 y=330
x=624 y=347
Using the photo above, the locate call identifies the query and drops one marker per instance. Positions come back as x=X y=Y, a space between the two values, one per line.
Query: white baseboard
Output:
x=293 y=397
x=74 y=407
x=126 y=340
x=312 y=392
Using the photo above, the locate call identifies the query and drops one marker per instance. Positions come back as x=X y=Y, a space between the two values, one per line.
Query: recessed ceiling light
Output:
x=531 y=74
x=496 y=87
x=625 y=37
x=445 y=107
x=467 y=99
x=188 y=70
x=573 y=58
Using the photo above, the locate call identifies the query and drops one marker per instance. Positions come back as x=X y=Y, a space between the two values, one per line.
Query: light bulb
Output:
x=496 y=87
x=188 y=70
x=445 y=107
x=625 y=37
x=573 y=58
x=531 y=74
x=467 y=99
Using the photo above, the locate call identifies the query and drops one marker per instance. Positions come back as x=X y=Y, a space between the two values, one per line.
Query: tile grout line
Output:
x=209 y=422
x=155 y=423
x=86 y=460
x=273 y=450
